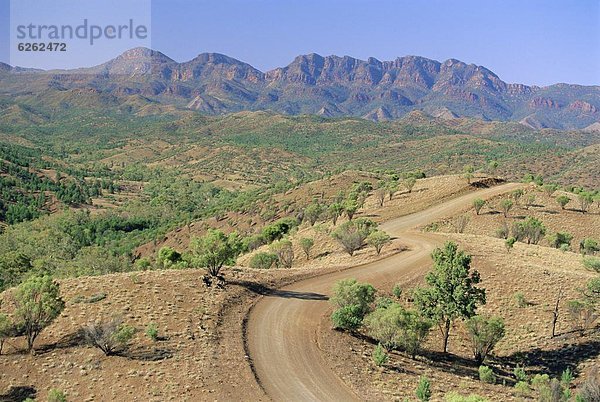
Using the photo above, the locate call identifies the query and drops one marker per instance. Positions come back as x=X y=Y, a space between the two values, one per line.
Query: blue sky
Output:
x=525 y=41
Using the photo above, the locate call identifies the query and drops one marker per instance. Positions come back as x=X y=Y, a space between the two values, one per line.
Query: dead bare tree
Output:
x=555 y=312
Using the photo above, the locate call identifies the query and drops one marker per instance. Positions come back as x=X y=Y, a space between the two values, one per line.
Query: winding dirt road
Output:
x=282 y=328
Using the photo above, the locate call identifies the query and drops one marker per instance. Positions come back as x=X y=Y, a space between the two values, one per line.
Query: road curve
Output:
x=281 y=332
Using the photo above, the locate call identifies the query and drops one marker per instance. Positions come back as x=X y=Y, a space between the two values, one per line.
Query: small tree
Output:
x=585 y=200
x=409 y=183
x=377 y=239
x=216 y=249
x=353 y=301
x=168 y=256
x=335 y=211
x=484 y=333
x=380 y=194
x=38 y=303
x=506 y=205
x=468 y=173
x=562 y=200
x=313 y=212
x=532 y=229
x=307 y=243
x=451 y=293
x=460 y=223
x=588 y=246
x=110 y=336
x=478 y=204
x=7 y=330
x=350 y=207
x=486 y=374
x=380 y=356
x=392 y=188
x=352 y=234
x=510 y=243
x=550 y=189
x=284 y=251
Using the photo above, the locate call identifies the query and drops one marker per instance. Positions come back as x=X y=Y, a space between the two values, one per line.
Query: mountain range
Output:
x=329 y=86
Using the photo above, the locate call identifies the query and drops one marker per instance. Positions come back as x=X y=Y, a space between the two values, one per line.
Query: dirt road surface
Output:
x=282 y=328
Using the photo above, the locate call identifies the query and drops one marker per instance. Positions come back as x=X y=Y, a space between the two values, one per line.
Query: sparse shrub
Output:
x=550 y=189
x=503 y=232
x=520 y=374
x=353 y=301
x=284 y=251
x=520 y=300
x=380 y=356
x=529 y=201
x=352 y=234
x=7 y=330
x=522 y=387
x=110 y=336
x=397 y=291
x=216 y=249
x=454 y=397
x=409 y=183
x=377 y=239
x=55 y=395
x=592 y=263
x=380 y=194
x=560 y=239
x=588 y=246
x=589 y=391
x=516 y=195
x=487 y=375
x=38 y=303
x=484 y=333
x=583 y=314
x=562 y=200
x=539 y=381
x=510 y=243
x=460 y=223
x=152 y=331
x=423 y=391
x=505 y=206
x=263 y=260
x=478 y=204
x=306 y=243
x=253 y=242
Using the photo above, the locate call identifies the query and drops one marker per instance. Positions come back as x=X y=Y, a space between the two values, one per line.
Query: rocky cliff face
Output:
x=330 y=86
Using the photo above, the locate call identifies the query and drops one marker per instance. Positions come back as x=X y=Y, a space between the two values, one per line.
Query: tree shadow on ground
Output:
x=18 y=394
x=263 y=290
x=148 y=354
x=71 y=340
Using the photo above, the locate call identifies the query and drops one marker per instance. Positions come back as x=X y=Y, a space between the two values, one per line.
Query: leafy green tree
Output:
x=531 y=229
x=14 y=265
x=335 y=211
x=562 y=200
x=216 y=249
x=7 y=330
x=38 y=303
x=468 y=171
x=478 y=204
x=278 y=229
x=353 y=301
x=506 y=205
x=313 y=212
x=588 y=246
x=493 y=167
x=392 y=188
x=350 y=208
x=307 y=243
x=377 y=239
x=484 y=333
x=451 y=293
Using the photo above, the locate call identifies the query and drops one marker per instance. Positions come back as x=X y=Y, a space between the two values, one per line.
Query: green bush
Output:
x=397 y=291
x=353 y=301
x=588 y=246
x=560 y=240
x=278 y=229
x=380 y=356
x=352 y=234
x=520 y=374
x=592 y=263
x=423 y=390
x=55 y=395
x=487 y=375
x=520 y=300
x=484 y=333
x=152 y=331
x=263 y=260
